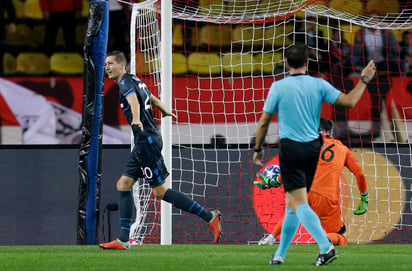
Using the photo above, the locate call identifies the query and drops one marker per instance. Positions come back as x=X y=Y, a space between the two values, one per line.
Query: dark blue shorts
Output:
x=298 y=162
x=146 y=161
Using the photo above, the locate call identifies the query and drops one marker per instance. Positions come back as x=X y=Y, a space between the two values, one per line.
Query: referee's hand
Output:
x=369 y=70
x=257 y=158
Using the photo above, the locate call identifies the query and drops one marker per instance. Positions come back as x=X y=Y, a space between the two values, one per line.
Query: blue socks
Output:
x=311 y=222
x=309 y=219
x=178 y=199
x=126 y=212
x=183 y=202
x=289 y=227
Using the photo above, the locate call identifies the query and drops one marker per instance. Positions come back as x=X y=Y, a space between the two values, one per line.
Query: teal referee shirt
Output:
x=298 y=99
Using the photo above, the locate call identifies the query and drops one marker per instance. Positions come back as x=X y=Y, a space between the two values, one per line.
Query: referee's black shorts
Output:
x=298 y=163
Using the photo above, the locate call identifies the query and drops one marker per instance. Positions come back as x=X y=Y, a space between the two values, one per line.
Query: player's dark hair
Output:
x=325 y=125
x=297 y=55
x=120 y=56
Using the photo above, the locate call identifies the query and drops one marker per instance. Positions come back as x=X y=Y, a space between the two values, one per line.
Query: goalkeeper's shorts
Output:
x=329 y=212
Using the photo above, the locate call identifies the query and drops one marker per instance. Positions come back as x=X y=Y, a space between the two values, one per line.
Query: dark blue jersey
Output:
x=145 y=159
x=131 y=84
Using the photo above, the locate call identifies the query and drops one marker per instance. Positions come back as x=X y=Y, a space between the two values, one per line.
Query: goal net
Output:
x=226 y=54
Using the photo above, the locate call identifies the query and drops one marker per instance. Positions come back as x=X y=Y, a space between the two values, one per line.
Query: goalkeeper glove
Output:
x=267 y=182
x=363 y=205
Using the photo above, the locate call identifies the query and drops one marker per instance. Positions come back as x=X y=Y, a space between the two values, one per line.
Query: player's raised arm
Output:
x=351 y=99
x=159 y=105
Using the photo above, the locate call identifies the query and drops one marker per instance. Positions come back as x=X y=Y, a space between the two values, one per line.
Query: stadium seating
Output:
x=397 y=33
x=354 y=7
x=240 y=7
x=179 y=63
x=221 y=37
x=33 y=64
x=22 y=37
x=278 y=36
x=32 y=10
x=85 y=9
x=215 y=35
x=266 y=63
x=282 y=7
x=216 y=7
x=349 y=32
x=146 y=64
x=39 y=32
x=178 y=38
x=9 y=64
x=60 y=38
x=249 y=35
x=384 y=6
x=204 y=63
x=81 y=30
x=238 y=63
x=66 y=63
x=19 y=7
x=327 y=32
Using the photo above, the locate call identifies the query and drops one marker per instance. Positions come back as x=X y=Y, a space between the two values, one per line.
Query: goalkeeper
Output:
x=324 y=194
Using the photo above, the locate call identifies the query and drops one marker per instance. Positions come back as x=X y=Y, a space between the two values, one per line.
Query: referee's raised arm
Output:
x=351 y=99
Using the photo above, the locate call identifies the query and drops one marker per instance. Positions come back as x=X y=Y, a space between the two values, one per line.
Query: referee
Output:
x=297 y=99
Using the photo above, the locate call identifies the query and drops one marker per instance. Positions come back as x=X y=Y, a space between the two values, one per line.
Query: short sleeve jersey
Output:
x=297 y=99
x=131 y=84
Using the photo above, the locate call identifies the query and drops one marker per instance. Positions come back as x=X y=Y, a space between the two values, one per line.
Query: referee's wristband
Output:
x=259 y=150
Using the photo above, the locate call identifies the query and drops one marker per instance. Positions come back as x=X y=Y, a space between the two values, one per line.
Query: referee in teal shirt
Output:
x=297 y=99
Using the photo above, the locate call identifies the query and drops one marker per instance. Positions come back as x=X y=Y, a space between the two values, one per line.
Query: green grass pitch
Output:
x=200 y=257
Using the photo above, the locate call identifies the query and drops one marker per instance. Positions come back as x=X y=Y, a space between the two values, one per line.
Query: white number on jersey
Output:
x=147 y=105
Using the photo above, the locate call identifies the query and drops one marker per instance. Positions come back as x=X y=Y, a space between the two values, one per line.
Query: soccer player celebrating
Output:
x=324 y=194
x=297 y=99
x=145 y=160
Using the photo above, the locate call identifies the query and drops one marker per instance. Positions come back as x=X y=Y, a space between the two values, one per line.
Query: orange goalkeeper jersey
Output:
x=333 y=157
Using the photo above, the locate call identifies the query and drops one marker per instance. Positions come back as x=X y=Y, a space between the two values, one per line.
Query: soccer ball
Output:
x=272 y=171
